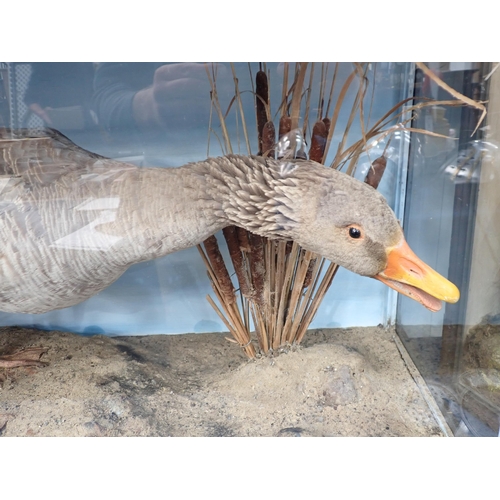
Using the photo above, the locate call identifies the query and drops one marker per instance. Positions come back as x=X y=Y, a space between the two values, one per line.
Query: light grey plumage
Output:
x=71 y=222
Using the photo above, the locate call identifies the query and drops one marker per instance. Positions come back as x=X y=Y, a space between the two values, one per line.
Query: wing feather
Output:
x=41 y=157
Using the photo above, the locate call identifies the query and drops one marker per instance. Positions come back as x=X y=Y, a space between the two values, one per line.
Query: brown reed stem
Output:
x=376 y=171
x=261 y=104
x=297 y=94
x=336 y=112
x=283 y=307
x=240 y=106
x=357 y=103
x=299 y=275
x=232 y=318
x=257 y=267
x=268 y=139
x=243 y=239
x=284 y=91
x=331 y=88
x=216 y=103
x=309 y=274
x=313 y=308
x=308 y=101
x=233 y=245
x=318 y=141
x=220 y=270
x=285 y=126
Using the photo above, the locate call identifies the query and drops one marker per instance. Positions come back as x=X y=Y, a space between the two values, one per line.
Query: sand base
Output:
x=341 y=382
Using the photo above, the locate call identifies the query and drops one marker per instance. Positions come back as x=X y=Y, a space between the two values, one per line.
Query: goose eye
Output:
x=354 y=232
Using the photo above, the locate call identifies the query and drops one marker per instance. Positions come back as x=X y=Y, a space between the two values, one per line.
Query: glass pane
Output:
x=450 y=221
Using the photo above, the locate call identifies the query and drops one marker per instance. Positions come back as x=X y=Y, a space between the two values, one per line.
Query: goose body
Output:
x=71 y=222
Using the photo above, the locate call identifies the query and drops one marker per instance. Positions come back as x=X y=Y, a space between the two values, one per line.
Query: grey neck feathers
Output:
x=259 y=194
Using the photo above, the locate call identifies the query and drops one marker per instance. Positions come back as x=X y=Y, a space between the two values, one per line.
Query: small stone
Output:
x=293 y=432
x=340 y=388
x=3 y=424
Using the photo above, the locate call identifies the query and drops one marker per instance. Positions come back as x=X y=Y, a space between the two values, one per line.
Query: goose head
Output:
x=351 y=224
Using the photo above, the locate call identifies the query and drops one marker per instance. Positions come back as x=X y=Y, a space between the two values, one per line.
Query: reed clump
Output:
x=281 y=285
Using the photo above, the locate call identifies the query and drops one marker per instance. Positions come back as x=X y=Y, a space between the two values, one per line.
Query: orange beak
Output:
x=408 y=275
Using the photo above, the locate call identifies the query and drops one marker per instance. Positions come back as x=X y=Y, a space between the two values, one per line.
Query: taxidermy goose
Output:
x=71 y=222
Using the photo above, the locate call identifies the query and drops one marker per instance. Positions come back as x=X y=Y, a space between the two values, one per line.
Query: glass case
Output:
x=441 y=180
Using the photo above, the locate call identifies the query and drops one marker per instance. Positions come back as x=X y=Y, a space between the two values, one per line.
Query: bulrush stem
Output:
x=261 y=104
x=318 y=141
x=233 y=245
x=257 y=267
x=243 y=240
x=217 y=262
x=268 y=139
x=376 y=171
x=297 y=94
x=285 y=125
x=232 y=318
